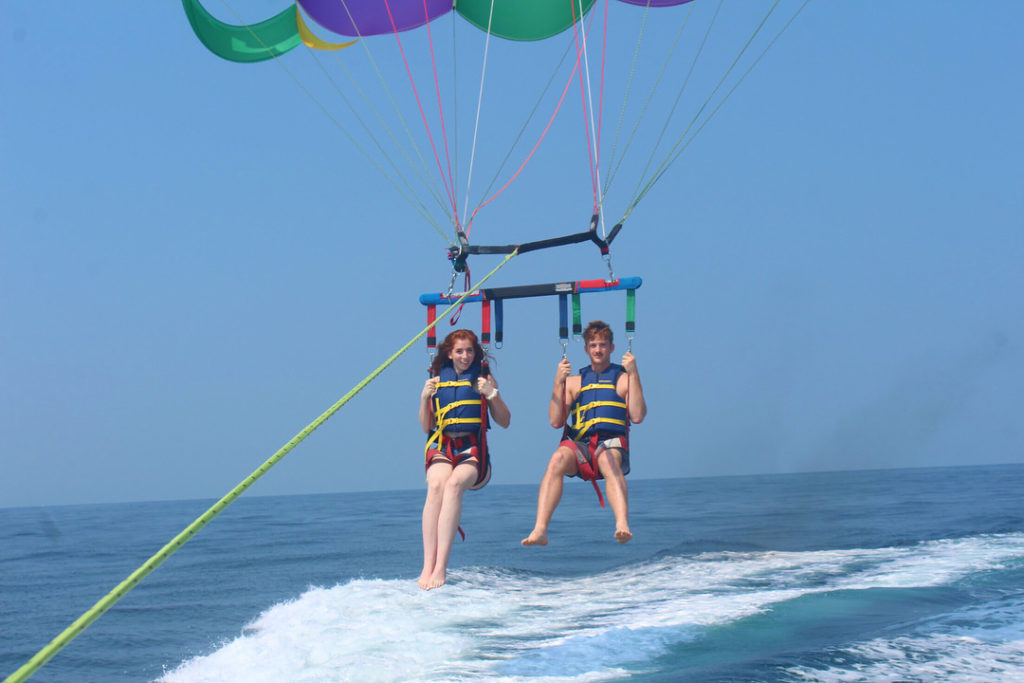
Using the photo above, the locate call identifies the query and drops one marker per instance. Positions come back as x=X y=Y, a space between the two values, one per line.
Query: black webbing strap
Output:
x=458 y=254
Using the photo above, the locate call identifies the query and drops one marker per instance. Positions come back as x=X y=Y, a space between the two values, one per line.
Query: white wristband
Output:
x=490 y=396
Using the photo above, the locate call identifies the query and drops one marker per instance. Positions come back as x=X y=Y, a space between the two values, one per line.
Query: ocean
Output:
x=888 y=575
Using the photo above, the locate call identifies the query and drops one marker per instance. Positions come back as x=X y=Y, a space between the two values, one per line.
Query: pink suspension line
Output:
x=600 y=92
x=440 y=111
x=551 y=120
x=447 y=181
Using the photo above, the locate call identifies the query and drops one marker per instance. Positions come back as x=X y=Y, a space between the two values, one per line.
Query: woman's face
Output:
x=462 y=355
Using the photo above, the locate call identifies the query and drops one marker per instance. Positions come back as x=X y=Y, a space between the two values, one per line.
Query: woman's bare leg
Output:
x=437 y=477
x=448 y=520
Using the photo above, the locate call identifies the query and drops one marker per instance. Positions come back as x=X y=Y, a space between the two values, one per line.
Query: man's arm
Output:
x=630 y=388
x=560 y=396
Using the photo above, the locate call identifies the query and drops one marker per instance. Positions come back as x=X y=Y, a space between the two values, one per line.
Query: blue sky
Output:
x=195 y=262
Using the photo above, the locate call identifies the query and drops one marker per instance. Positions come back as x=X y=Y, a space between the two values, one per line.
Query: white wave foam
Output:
x=978 y=645
x=500 y=626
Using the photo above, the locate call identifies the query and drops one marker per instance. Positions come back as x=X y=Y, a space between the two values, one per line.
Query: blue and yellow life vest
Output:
x=598 y=407
x=457 y=406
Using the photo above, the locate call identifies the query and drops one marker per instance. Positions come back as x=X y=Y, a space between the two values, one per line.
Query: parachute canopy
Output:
x=510 y=19
x=422 y=141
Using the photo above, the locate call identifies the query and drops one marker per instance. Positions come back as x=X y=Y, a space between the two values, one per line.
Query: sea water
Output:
x=894 y=575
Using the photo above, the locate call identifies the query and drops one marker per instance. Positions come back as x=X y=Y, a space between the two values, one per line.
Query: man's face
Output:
x=599 y=349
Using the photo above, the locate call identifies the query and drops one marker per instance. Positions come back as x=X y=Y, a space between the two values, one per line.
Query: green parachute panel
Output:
x=523 y=19
x=255 y=43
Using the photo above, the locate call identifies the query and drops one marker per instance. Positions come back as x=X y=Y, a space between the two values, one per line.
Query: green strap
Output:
x=630 y=311
x=577 y=323
x=97 y=610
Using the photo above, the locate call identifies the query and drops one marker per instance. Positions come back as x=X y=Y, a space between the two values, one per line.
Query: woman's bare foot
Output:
x=424 y=580
x=535 y=538
x=623 y=535
x=436 y=580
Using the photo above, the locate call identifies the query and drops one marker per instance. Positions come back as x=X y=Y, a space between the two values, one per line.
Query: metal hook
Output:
x=611 y=274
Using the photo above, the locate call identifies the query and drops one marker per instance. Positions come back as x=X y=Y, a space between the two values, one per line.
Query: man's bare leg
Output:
x=448 y=520
x=562 y=464
x=437 y=477
x=609 y=461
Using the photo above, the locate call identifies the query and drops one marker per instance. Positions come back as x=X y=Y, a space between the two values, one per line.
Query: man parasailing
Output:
x=595 y=408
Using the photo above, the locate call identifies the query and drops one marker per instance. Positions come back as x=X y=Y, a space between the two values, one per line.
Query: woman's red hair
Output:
x=449 y=343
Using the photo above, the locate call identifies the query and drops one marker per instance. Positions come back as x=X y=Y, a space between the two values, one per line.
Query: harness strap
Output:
x=592 y=445
x=588 y=468
x=585 y=427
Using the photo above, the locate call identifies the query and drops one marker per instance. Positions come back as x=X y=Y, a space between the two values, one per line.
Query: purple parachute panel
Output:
x=372 y=17
x=655 y=3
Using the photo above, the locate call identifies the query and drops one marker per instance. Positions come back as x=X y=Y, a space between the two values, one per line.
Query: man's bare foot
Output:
x=535 y=538
x=623 y=535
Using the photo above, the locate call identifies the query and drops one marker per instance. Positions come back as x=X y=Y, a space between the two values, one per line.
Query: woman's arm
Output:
x=426 y=410
x=488 y=388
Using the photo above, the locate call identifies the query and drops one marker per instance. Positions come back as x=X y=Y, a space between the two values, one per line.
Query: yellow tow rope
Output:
x=94 y=612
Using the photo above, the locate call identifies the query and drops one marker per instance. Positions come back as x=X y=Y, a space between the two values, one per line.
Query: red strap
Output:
x=432 y=332
x=485 y=322
x=458 y=311
x=592 y=446
x=482 y=455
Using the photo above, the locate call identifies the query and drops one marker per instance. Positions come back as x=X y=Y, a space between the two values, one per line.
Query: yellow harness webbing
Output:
x=579 y=410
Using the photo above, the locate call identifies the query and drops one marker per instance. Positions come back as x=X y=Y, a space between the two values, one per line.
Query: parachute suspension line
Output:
x=597 y=155
x=423 y=116
x=455 y=105
x=733 y=88
x=476 y=123
x=421 y=209
x=599 y=208
x=600 y=92
x=529 y=156
x=119 y=591
x=613 y=167
x=323 y=108
x=428 y=182
x=526 y=123
x=675 y=104
x=440 y=109
x=675 y=154
x=650 y=95
x=579 y=31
